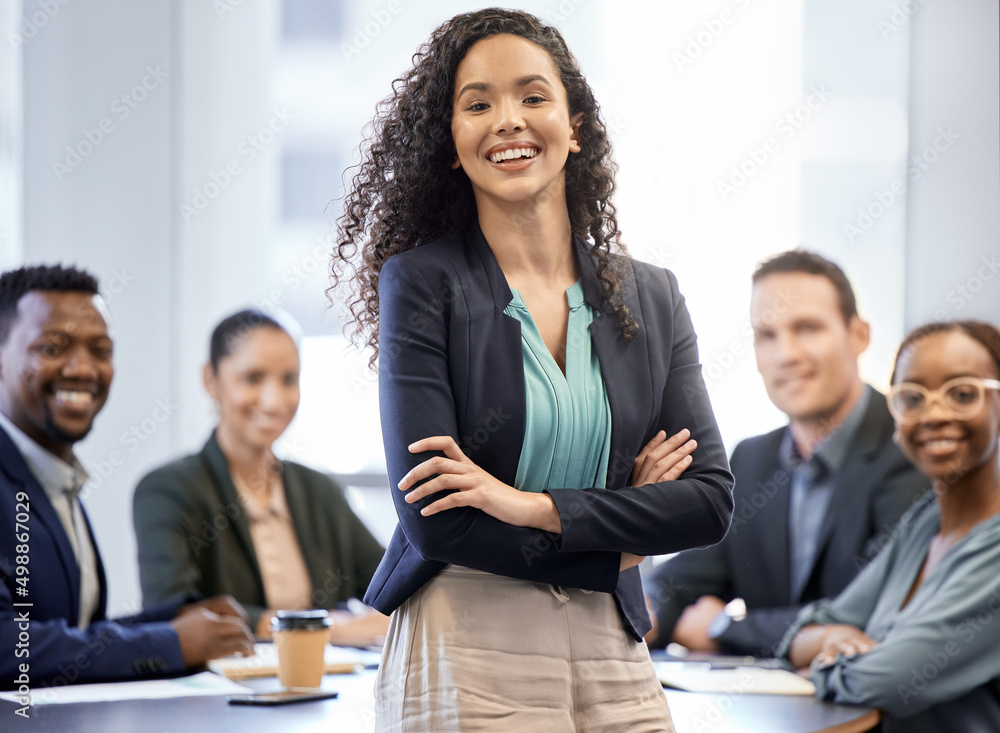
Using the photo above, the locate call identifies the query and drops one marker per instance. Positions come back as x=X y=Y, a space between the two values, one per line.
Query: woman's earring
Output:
x=896 y=437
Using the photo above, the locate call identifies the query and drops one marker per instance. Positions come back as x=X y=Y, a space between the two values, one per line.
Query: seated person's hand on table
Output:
x=823 y=643
x=691 y=630
x=843 y=640
x=213 y=628
x=224 y=605
x=358 y=629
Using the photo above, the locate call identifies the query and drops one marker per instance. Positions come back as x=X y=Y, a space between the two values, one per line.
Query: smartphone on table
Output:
x=284 y=697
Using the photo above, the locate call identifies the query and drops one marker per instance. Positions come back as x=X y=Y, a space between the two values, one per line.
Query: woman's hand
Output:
x=663 y=459
x=353 y=629
x=474 y=487
x=822 y=643
x=843 y=640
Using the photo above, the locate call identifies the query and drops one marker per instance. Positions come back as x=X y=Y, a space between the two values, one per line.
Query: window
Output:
x=10 y=136
x=740 y=130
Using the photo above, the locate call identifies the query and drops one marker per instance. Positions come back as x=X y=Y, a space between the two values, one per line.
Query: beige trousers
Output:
x=471 y=651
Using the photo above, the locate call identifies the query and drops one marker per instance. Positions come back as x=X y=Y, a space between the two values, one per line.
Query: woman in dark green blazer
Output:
x=234 y=519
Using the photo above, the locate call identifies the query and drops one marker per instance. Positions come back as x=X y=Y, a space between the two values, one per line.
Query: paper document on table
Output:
x=203 y=683
x=264 y=662
x=695 y=677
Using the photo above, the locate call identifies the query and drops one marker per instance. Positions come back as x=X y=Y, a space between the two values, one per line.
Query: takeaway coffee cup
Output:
x=300 y=637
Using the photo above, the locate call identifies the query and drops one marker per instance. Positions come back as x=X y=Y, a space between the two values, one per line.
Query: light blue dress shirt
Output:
x=567 y=434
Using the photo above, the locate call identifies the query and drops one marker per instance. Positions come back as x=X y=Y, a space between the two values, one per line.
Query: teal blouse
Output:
x=567 y=432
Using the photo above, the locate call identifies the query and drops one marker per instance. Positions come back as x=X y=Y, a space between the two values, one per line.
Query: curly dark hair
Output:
x=405 y=192
x=15 y=284
x=985 y=333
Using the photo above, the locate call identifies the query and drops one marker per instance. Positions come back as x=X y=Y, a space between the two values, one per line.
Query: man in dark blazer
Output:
x=816 y=499
x=55 y=373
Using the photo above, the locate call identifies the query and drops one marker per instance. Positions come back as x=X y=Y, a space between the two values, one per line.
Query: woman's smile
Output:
x=512 y=156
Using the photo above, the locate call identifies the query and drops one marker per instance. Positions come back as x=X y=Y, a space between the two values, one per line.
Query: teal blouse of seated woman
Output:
x=917 y=634
x=235 y=519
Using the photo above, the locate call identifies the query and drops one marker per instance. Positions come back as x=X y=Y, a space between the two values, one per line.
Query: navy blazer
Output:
x=451 y=364
x=874 y=487
x=38 y=626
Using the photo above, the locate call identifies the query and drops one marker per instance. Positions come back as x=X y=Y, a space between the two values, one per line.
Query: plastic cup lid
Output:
x=288 y=620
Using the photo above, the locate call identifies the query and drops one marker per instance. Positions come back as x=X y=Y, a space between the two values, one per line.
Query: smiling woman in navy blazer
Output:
x=450 y=364
x=529 y=375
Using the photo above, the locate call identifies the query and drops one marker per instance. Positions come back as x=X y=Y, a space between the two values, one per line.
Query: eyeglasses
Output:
x=963 y=397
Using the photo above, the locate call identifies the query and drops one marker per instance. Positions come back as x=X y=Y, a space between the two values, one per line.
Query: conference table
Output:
x=353 y=712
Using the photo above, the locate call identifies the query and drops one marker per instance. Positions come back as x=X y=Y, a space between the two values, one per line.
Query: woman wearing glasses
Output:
x=917 y=633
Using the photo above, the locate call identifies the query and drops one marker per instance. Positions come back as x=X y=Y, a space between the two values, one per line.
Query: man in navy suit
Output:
x=816 y=499
x=55 y=373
